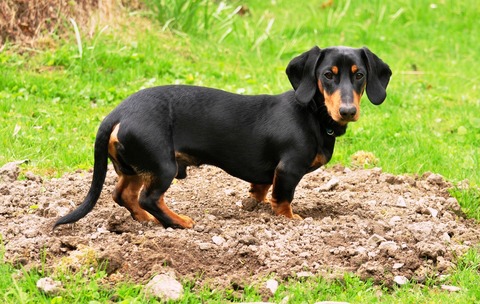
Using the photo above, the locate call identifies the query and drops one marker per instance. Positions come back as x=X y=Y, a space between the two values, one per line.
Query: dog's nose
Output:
x=348 y=112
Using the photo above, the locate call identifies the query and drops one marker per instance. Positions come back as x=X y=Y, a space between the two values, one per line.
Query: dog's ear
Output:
x=378 y=76
x=301 y=73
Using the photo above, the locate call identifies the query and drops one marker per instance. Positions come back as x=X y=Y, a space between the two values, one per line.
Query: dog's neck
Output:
x=330 y=126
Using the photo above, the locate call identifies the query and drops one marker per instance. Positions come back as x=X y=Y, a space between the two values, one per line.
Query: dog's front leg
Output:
x=284 y=183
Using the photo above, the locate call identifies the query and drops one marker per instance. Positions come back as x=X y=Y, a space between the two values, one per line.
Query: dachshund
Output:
x=267 y=140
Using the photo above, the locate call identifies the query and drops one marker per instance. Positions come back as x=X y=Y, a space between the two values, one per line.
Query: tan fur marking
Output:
x=320 y=86
x=112 y=141
x=128 y=190
x=332 y=102
x=186 y=159
x=354 y=68
x=318 y=161
x=356 y=101
x=259 y=191
x=335 y=70
x=178 y=219
x=283 y=208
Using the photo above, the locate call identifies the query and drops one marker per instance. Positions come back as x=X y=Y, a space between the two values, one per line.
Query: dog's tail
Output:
x=99 y=173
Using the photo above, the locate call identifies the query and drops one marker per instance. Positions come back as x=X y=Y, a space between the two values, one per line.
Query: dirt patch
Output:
x=374 y=224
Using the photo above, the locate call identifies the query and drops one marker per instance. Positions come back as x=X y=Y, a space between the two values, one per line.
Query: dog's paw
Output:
x=185 y=222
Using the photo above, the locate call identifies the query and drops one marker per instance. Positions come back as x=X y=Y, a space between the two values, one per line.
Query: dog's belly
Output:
x=250 y=170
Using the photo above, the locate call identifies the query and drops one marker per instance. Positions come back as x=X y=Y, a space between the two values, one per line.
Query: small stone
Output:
x=400 y=280
x=435 y=179
x=433 y=212
x=49 y=286
x=445 y=237
x=430 y=250
x=443 y=264
x=218 y=240
x=332 y=183
x=393 y=221
x=304 y=254
x=272 y=285
x=450 y=288
x=205 y=246
x=421 y=230
x=398 y=265
x=31 y=233
x=389 y=246
x=401 y=203
x=375 y=239
x=249 y=204
x=164 y=287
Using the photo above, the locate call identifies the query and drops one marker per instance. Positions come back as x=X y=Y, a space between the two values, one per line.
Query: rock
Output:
x=401 y=202
x=164 y=287
x=272 y=285
x=430 y=250
x=432 y=211
x=332 y=183
x=249 y=204
x=450 y=288
x=443 y=265
x=421 y=230
x=394 y=220
x=49 y=286
x=10 y=171
x=400 y=280
x=375 y=239
x=445 y=237
x=435 y=179
x=218 y=240
x=389 y=246
x=205 y=246
x=398 y=265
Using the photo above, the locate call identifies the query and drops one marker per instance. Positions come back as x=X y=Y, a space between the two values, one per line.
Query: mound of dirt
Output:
x=374 y=224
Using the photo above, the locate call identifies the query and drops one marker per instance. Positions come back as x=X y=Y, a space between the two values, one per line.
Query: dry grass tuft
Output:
x=27 y=22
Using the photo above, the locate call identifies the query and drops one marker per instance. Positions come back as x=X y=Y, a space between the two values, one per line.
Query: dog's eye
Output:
x=328 y=75
x=358 y=76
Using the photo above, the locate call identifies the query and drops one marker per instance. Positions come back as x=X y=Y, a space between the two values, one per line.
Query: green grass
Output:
x=52 y=100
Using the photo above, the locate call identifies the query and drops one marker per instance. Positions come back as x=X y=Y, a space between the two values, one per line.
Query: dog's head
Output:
x=340 y=75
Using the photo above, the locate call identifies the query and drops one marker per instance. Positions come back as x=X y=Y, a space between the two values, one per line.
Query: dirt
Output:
x=364 y=221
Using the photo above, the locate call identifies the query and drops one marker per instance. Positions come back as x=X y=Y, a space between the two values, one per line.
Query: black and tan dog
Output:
x=154 y=134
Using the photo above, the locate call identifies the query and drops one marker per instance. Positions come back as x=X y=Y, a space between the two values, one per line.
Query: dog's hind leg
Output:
x=259 y=191
x=152 y=199
x=157 y=177
x=129 y=184
x=126 y=194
